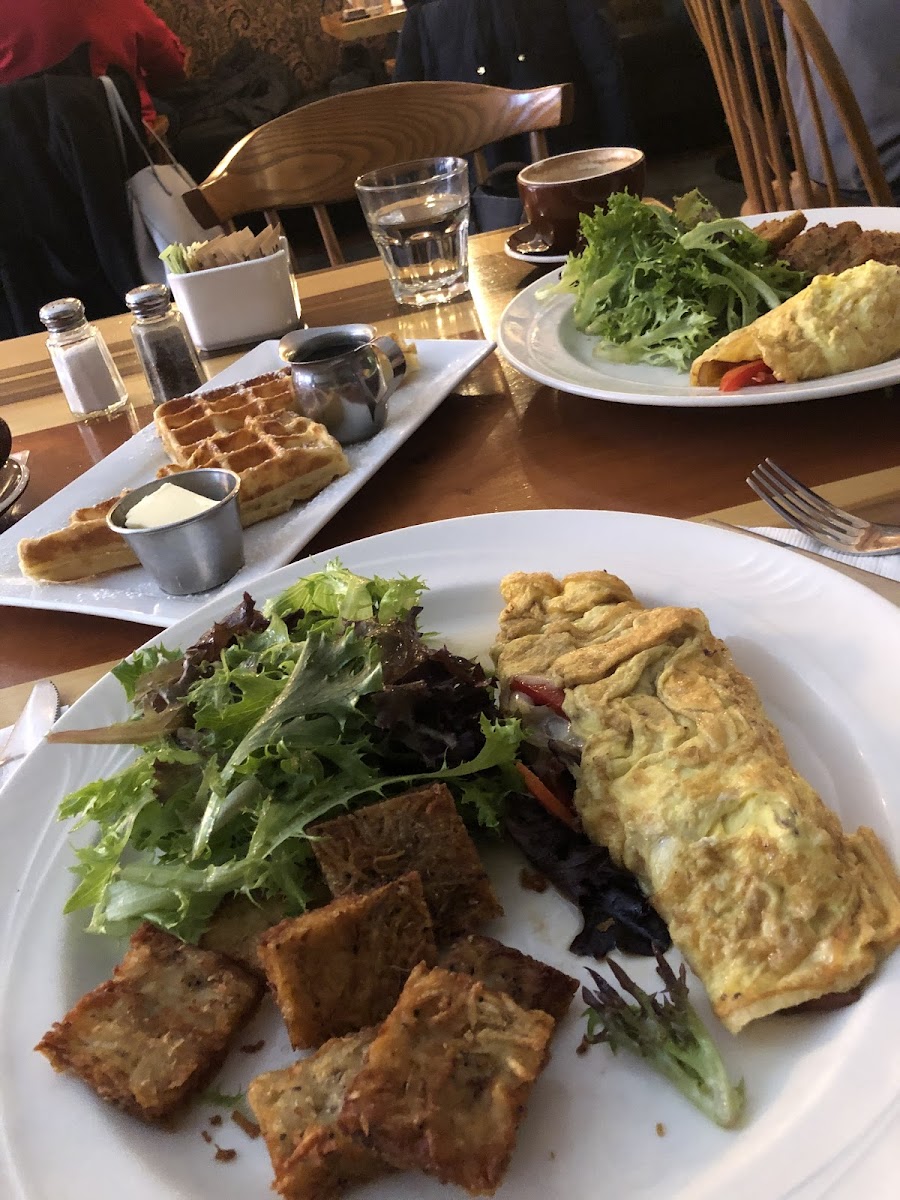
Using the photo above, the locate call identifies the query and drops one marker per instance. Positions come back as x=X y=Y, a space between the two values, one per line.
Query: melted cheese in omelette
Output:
x=838 y=323
x=688 y=783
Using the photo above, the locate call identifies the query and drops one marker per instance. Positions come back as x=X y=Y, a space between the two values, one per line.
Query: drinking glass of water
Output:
x=418 y=214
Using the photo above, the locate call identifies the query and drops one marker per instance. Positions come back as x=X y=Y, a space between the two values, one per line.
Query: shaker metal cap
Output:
x=148 y=300
x=60 y=315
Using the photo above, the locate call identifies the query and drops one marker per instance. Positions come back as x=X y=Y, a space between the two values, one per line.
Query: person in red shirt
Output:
x=38 y=34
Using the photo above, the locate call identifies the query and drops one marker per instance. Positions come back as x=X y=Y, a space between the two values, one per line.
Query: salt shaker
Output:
x=89 y=378
x=164 y=346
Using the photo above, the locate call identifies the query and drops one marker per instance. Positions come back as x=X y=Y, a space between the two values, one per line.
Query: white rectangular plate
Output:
x=131 y=595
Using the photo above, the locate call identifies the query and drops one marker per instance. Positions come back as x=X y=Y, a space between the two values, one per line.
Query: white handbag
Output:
x=159 y=215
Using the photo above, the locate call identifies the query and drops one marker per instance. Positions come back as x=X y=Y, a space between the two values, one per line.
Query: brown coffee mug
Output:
x=556 y=191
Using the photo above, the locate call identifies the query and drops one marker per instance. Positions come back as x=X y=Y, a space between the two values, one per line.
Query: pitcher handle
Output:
x=394 y=355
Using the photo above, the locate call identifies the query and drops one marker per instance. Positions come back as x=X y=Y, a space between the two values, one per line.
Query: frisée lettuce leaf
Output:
x=327 y=699
x=661 y=287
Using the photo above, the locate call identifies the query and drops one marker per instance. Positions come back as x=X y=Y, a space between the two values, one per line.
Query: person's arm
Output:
x=161 y=56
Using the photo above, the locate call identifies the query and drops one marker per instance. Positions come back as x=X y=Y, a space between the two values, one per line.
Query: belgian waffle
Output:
x=87 y=546
x=185 y=422
x=281 y=459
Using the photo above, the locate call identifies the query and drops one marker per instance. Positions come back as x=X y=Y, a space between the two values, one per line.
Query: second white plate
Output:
x=538 y=336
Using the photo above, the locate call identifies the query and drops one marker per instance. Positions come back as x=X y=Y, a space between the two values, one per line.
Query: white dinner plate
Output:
x=538 y=336
x=822 y=1090
x=131 y=595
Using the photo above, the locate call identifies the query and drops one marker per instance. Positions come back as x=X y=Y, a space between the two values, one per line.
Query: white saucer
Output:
x=522 y=234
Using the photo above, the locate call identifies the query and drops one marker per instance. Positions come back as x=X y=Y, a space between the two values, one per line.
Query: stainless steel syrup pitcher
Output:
x=343 y=376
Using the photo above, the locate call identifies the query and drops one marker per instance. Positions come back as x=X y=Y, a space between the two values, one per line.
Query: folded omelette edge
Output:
x=688 y=783
x=835 y=324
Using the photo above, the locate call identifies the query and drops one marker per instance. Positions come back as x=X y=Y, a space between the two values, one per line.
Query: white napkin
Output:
x=887 y=565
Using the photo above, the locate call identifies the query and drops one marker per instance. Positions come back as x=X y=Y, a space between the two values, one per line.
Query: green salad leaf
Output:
x=328 y=699
x=661 y=287
x=337 y=592
x=665 y=1030
x=220 y=1099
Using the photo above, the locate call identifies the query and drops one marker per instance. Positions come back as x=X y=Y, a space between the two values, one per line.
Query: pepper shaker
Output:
x=168 y=356
x=89 y=378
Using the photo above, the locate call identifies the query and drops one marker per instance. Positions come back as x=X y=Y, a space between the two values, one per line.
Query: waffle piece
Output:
x=186 y=421
x=86 y=547
x=281 y=459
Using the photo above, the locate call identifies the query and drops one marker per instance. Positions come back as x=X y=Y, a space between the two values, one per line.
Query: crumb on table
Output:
x=532 y=880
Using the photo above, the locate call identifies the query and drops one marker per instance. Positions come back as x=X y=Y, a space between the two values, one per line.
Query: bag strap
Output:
x=120 y=114
x=114 y=115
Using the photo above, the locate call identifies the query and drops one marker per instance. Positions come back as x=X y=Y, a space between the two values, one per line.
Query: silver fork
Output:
x=812 y=514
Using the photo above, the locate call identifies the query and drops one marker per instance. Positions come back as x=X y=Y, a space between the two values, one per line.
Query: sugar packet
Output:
x=221 y=251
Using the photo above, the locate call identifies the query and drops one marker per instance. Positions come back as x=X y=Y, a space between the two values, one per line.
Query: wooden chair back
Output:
x=748 y=60
x=313 y=155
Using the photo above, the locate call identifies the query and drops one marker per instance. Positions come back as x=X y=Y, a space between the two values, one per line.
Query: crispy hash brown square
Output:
x=237 y=925
x=446 y=1080
x=151 y=1036
x=297 y=1110
x=340 y=968
x=416 y=831
x=530 y=982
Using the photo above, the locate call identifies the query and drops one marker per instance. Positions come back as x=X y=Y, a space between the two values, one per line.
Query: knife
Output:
x=34 y=722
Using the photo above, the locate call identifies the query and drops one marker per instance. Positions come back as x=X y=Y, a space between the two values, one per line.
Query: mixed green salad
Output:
x=326 y=698
x=661 y=287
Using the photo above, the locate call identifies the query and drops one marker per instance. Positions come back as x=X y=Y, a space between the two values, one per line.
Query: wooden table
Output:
x=501 y=442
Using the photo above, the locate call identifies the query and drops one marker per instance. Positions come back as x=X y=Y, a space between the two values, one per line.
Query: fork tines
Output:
x=803 y=508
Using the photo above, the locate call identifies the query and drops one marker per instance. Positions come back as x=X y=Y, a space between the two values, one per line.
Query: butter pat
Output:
x=168 y=504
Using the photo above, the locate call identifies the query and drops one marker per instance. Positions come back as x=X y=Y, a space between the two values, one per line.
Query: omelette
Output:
x=837 y=323
x=680 y=773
